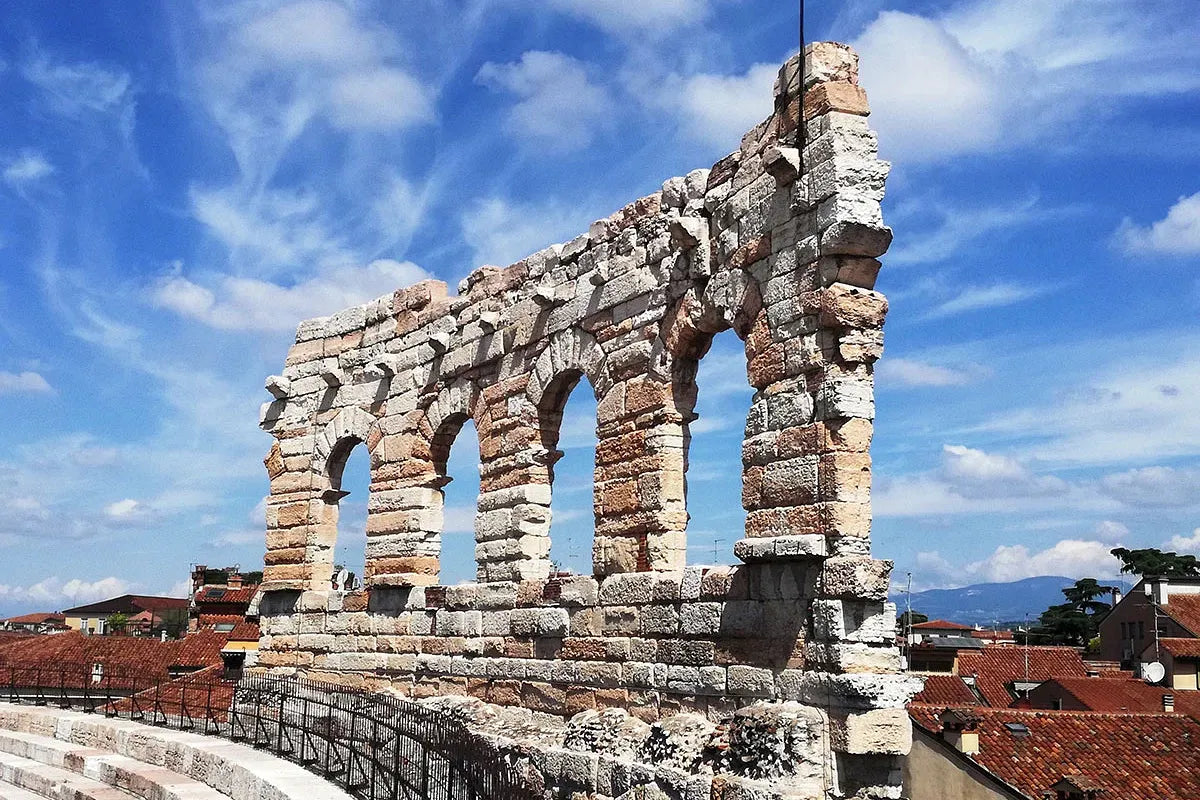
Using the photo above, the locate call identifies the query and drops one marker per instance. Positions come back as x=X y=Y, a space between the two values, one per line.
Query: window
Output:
x=223 y=627
x=1057 y=704
x=97 y=672
x=1141 y=629
x=1124 y=631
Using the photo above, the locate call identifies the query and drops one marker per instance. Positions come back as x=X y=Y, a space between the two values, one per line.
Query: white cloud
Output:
x=1176 y=234
x=313 y=33
x=930 y=97
x=383 y=98
x=975 y=473
x=1155 y=487
x=1110 y=532
x=718 y=109
x=1185 y=544
x=23 y=383
x=252 y=304
x=123 y=509
x=977 y=298
x=502 y=232
x=72 y=89
x=643 y=18
x=56 y=593
x=28 y=167
x=907 y=372
x=558 y=108
x=1073 y=558
x=458 y=519
x=944 y=85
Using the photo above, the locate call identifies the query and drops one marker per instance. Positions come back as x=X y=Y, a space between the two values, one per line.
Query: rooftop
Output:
x=941 y=625
x=997 y=666
x=1124 y=755
x=1126 y=695
x=1185 y=609
x=129 y=604
x=947 y=690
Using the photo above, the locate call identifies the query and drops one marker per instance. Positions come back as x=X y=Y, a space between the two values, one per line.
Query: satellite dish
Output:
x=1153 y=672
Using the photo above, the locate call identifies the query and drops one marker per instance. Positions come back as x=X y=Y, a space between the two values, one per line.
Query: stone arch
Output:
x=350 y=425
x=569 y=351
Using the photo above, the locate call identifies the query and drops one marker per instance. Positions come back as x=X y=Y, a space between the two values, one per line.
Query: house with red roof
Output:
x=1156 y=608
x=167 y=614
x=981 y=753
x=221 y=605
x=38 y=622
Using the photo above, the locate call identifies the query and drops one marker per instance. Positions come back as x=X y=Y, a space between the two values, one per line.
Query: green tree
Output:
x=1152 y=561
x=118 y=622
x=1077 y=621
x=902 y=622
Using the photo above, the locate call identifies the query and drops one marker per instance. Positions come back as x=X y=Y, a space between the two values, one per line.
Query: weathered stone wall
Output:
x=781 y=249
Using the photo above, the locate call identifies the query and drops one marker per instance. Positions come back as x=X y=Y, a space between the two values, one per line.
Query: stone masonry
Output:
x=778 y=245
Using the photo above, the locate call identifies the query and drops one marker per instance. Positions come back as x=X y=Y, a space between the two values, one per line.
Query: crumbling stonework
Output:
x=777 y=246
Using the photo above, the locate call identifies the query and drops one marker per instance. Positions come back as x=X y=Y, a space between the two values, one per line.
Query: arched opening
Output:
x=346 y=501
x=568 y=437
x=455 y=454
x=716 y=518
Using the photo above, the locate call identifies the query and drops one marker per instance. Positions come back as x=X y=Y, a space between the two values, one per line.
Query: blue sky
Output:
x=181 y=183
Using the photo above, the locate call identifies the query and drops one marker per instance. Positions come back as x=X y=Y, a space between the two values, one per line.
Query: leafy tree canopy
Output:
x=1152 y=561
x=1075 y=622
x=917 y=618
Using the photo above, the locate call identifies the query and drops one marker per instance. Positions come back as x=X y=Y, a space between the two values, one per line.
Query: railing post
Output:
x=279 y=722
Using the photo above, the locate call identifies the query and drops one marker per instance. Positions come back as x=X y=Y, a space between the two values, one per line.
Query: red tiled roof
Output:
x=1126 y=695
x=245 y=632
x=38 y=618
x=208 y=620
x=129 y=604
x=947 y=690
x=1185 y=609
x=145 y=656
x=1181 y=648
x=1125 y=755
x=221 y=594
x=12 y=637
x=941 y=624
x=996 y=666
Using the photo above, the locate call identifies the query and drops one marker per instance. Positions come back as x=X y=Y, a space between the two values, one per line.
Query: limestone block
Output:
x=538 y=622
x=627 y=589
x=747 y=681
x=885 y=731
x=700 y=619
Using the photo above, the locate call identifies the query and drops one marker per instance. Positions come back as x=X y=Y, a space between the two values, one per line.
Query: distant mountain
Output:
x=989 y=603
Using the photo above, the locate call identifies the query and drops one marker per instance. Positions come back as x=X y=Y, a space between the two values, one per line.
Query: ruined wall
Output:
x=783 y=254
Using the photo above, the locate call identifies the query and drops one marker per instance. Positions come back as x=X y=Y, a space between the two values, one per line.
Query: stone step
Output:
x=8 y=792
x=136 y=777
x=54 y=783
x=234 y=770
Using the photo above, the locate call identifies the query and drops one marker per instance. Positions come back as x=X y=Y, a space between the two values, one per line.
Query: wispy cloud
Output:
x=73 y=89
x=904 y=372
x=978 y=298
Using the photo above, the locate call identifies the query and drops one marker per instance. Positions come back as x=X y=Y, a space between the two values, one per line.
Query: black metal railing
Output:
x=374 y=746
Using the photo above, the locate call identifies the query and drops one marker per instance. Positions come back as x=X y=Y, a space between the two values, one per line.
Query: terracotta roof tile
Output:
x=1185 y=609
x=1126 y=695
x=145 y=656
x=949 y=690
x=1125 y=755
x=997 y=666
x=222 y=595
x=1181 y=648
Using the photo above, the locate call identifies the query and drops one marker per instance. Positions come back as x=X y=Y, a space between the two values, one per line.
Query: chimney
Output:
x=1168 y=703
x=1116 y=596
x=198 y=577
x=1158 y=590
x=235 y=580
x=960 y=730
